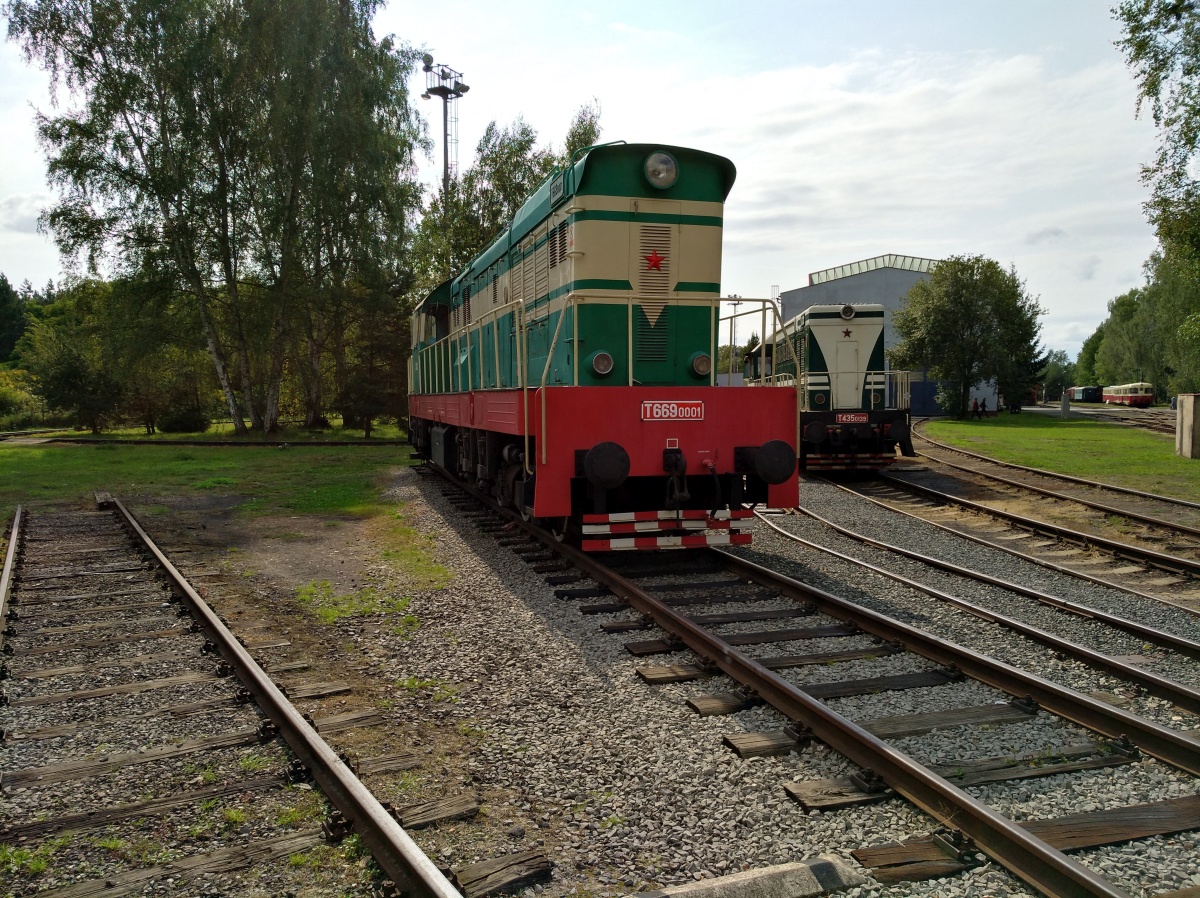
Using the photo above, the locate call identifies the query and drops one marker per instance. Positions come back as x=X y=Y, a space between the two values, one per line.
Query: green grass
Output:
x=1081 y=447
x=333 y=481
x=253 y=762
x=31 y=860
x=331 y=607
x=309 y=807
x=406 y=550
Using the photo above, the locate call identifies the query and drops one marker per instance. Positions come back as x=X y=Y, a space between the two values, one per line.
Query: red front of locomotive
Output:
x=655 y=461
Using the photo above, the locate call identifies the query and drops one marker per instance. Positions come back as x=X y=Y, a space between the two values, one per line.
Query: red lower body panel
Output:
x=703 y=424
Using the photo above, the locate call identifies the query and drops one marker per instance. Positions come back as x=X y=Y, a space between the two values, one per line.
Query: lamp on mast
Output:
x=446 y=83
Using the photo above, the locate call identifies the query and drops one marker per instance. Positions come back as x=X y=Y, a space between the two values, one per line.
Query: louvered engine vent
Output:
x=654 y=280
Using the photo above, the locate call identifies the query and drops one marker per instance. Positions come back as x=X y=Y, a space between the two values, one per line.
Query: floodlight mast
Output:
x=444 y=82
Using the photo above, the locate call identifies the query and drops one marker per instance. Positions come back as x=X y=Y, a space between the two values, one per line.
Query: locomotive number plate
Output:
x=690 y=410
x=852 y=418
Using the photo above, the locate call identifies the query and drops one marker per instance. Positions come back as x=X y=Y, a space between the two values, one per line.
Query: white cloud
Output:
x=1043 y=235
x=855 y=131
x=20 y=213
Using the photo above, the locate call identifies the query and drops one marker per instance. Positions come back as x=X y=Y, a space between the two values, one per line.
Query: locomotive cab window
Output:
x=440 y=323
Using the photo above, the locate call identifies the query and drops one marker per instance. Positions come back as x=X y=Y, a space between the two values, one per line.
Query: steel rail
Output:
x=1032 y=559
x=10 y=563
x=1171 y=746
x=1181 y=644
x=1068 y=477
x=1160 y=560
x=392 y=848
x=1179 y=694
x=1054 y=494
x=1024 y=854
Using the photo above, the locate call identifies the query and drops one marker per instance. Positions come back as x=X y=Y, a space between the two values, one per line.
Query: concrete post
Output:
x=1065 y=406
x=1187 y=425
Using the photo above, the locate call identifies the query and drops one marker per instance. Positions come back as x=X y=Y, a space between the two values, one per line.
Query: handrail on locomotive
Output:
x=457 y=342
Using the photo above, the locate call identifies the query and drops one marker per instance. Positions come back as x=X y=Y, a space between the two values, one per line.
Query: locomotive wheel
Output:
x=559 y=527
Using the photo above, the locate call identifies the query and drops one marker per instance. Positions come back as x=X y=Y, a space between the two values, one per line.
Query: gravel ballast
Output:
x=626 y=789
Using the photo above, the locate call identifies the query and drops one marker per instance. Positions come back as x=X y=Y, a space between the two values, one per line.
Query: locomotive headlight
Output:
x=661 y=170
x=847 y=312
x=602 y=363
x=701 y=364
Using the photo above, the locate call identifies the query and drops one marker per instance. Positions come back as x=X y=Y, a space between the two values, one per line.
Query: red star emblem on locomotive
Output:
x=654 y=260
x=846 y=332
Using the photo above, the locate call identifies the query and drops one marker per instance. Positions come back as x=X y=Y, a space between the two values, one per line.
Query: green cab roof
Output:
x=612 y=169
x=439 y=297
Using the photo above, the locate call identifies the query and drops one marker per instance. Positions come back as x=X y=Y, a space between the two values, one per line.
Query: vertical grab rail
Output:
x=546 y=370
x=778 y=336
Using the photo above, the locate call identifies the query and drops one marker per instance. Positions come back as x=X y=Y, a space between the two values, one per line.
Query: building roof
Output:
x=890 y=260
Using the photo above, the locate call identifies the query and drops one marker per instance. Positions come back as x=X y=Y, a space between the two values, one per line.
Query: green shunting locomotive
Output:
x=854 y=411
x=568 y=369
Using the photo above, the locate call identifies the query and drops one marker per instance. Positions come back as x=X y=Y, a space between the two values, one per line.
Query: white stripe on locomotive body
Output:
x=666 y=542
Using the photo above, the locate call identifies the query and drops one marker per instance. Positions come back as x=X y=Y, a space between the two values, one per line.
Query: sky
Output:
x=858 y=128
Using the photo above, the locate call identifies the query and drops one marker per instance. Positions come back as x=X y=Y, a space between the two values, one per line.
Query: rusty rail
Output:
x=10 y=562
x=1022 y=853
x=392 y=848
x=1160 y=560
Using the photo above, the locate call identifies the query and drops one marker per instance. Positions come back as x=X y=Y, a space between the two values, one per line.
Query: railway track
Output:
x=1155 y=420
x=144 y=746
x=805 y=653
x=1162 y=564
x=1160 y=520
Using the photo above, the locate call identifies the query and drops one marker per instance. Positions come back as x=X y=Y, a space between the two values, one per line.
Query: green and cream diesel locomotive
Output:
x=854 y=412
x=568 y=370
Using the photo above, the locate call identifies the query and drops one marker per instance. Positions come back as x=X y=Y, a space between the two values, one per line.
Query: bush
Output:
x=184 y=419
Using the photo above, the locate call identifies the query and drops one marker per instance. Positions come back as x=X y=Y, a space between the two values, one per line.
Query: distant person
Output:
x=983 y=407
x=974 y=408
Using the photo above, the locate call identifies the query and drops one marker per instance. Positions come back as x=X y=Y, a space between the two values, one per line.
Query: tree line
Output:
x=237 y=184
x=1152 y=333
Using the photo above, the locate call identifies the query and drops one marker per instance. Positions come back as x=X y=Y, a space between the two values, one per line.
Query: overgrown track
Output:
x=845 y=633
x=120 y=679
x=1166 y=518
x=1157 y=420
